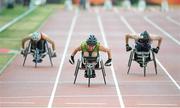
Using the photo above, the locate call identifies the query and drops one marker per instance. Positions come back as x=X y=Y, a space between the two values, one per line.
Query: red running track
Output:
x=48 y=86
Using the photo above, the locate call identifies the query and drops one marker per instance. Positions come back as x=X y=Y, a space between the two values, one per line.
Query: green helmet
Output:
x=91 y=40
x=145 y=36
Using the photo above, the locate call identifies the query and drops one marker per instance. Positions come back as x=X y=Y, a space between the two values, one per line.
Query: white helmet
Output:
x=36 y=36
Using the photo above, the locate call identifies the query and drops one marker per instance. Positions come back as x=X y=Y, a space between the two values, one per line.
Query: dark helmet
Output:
x=145 y=36
x=91 y=40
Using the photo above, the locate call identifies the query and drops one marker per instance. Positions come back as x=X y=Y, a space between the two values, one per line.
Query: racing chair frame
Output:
x=35 y=52
x=142 y=57
x=89 y=66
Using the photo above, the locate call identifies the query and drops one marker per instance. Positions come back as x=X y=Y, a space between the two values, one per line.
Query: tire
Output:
x=76 y=70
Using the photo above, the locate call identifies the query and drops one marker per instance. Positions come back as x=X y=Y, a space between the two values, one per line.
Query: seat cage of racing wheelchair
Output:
x=142 y=58
x=89 y=65
x=36 y=53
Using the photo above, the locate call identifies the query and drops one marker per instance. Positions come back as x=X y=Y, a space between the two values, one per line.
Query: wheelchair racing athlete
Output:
x=38 y=40
x=91 y=48
x=143 y=43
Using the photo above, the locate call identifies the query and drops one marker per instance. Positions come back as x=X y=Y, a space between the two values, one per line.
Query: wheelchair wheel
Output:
x=36 y=54
x=49 y=53
x=26 y=53
x=103 y=71
x=154 y=60
x=130 y=61
x=50 y=56
x=89 y=81
x=76 y=71
x=144 y=65
x=89 y=73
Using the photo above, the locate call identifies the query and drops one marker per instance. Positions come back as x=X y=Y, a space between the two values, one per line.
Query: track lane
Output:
x=80 y=95
x=44 y=73
x=135 y=88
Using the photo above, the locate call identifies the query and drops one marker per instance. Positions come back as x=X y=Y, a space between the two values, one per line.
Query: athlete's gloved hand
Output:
x=23 y=51
x=128 y=48
x=71 y=60
x=54 y=54
x=156 y=50
x=108 y=62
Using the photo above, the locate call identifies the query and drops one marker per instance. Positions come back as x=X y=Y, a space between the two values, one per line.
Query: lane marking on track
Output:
x=86 y=103
x=172 y=20
x=70 y=82
x=17 y=102
x=63 y=58
x=158 y=105
x=133 y=31
x=160 y=29
x=7 y=64
x=89 y=96
x=112 y=67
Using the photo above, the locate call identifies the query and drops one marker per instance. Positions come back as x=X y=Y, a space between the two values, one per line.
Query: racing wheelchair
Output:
x=90 y=64
x=143 y=58
x=37 y=53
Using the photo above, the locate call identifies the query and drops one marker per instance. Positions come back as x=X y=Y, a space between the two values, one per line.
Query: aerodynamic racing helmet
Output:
x=91 y=40
x=145 y=37
x=36 y=36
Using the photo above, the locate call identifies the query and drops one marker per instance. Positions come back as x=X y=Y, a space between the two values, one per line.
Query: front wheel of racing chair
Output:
x=89 y=67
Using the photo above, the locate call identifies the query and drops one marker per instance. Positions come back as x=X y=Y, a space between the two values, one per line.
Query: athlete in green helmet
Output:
x=91 y=48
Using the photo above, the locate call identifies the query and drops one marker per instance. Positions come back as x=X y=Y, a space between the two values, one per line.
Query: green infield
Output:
x=8 y=14
x=12 y=36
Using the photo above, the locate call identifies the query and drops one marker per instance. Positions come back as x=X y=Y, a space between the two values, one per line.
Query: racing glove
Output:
x=54 y=54
x=155 y=50
x=128 y=48
x=71 y=60
x=108 y=62
x=23 y=52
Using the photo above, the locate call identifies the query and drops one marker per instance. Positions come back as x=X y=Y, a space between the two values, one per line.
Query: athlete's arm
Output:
x=76 y=50
x=130 y=36
x=108 y=51
x=156 y=38
x=44 y=36
x=24 y=41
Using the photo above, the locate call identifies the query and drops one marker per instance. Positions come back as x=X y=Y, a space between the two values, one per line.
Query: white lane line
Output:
x=158 y=105
x=7 y=64
x=86 y=103
x=16 y=19
x=165 y=70
x=167 y=73
x=17 y=103
x=89 y=96
x=70 y=82
x=112 y=67
x=63 y=58
x=160 y=29
x=172 y=20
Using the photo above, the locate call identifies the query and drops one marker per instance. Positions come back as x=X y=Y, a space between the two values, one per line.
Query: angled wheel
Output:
x=26 y=53
x=154 y=60
x=76 y=70
x=49 y=53
x=130 y=61
x=50 y=56
x=89 y=73
x=144 y=64
x=36 y=56
x=103 y=71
